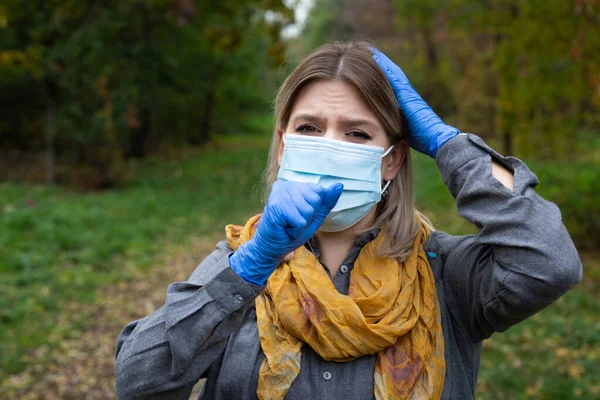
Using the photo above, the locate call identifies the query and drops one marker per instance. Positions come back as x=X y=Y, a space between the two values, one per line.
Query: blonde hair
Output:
x=352 y=62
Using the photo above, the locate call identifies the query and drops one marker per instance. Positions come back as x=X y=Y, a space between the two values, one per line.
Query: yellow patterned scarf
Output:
x=391 y=310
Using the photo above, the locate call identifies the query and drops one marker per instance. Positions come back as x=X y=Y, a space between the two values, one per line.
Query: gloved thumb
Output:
x=330 y=198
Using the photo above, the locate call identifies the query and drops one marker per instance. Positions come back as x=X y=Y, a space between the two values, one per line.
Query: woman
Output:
x=341 y=289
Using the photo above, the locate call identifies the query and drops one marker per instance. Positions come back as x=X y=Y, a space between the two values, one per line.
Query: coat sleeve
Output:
x=164 y=354
x=521 y=260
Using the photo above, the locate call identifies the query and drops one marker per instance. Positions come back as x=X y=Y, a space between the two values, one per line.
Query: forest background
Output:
x=132 y=132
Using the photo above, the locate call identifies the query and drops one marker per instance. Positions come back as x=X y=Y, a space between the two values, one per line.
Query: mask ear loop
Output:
x=387 y=151
x=384 y=191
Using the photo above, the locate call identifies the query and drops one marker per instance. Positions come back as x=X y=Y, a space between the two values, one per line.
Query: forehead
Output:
x=333 y=99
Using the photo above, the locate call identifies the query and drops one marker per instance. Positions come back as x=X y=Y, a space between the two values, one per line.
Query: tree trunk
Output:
x=507 y=142
x=50 y=131
x=139 y=134
x=207 y=116
x=507 y=132
x=209 y=106
x=430 y=50
x=436 y=92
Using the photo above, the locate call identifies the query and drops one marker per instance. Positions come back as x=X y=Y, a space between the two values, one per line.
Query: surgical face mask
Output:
x=327 y=161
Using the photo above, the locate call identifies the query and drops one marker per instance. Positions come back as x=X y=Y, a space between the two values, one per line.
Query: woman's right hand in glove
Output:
x=294 y=212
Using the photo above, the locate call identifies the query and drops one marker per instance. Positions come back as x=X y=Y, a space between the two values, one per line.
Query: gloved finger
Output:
x=276 y=207
x=295 y=223
x=393 y=72
x=312 y=193
x=331 y=196
x=297 y=200
x=330 y=199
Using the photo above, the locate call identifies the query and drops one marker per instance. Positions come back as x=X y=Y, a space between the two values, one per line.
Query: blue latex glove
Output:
x=294 y=212
x=427 y=132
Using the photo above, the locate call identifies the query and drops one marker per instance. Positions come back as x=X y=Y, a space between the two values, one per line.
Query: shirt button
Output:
x=238 y=298
x=327 y=375
x=344 y=269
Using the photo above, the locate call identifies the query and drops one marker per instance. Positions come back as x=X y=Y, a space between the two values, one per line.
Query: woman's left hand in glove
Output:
x=427 y=132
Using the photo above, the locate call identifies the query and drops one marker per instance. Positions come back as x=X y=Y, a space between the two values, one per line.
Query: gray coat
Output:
x=520 y=262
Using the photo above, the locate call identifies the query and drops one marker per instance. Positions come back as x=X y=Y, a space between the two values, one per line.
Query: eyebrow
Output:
x=345 y=121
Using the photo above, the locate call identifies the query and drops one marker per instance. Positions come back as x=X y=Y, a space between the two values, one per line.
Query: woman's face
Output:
x=337 y=110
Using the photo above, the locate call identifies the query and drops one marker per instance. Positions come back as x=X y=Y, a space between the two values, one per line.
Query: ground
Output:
x=82 y=367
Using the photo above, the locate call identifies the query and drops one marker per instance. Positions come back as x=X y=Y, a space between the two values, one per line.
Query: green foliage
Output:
x=504 y=69
x=535 y=82
x=58 y=246
x=112 y=80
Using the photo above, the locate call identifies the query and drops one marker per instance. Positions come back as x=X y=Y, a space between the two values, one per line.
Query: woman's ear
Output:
x=280 y=147
x=393 y=161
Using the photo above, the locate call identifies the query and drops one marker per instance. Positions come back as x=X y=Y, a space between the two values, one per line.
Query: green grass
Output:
x=553 y=355
x=58 y=246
